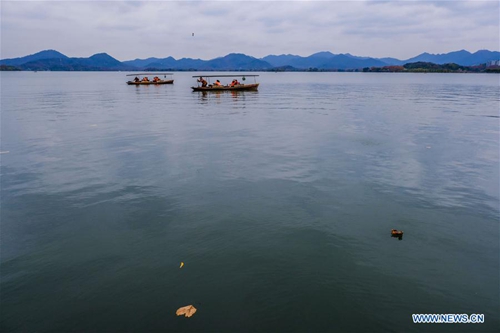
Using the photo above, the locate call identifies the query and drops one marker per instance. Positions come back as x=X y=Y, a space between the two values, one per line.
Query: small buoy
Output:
x=182 y=264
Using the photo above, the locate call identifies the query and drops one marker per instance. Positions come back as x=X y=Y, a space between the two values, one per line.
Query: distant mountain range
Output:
x=56 y=61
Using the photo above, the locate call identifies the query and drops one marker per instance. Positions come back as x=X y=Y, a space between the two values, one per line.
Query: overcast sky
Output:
x=128 y=30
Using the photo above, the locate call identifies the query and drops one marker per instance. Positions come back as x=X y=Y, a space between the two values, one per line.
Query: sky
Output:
x=129 y=30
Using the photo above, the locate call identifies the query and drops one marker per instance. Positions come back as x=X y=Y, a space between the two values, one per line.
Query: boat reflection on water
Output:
x=204 y=95
x=224 y=95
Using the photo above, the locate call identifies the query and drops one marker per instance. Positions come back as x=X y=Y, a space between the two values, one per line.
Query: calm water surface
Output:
x=279 y=202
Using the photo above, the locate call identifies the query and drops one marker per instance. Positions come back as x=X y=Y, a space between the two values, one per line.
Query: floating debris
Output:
x=187 y=311
x=182 y=264
x=397 y=233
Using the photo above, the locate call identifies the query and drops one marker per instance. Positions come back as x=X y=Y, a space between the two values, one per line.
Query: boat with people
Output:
x=144 y=79
x=205 y=83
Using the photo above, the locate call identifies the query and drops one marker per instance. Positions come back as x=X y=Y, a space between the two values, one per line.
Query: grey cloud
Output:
x=129 y=30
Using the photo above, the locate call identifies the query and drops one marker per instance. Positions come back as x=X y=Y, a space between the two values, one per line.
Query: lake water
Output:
x=279 y=202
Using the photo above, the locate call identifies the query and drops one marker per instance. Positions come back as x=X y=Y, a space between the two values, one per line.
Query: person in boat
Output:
x=203 y=81
x=156 y=79
x=233 y=83
x=145 y=79
x=217 y=83
x=136 y=79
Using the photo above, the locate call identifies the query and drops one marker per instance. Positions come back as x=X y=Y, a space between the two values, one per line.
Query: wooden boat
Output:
x=252 y=86
x=236 y=87
x=139 y=81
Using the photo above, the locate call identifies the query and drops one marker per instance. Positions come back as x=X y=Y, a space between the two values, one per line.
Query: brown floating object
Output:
x=395 y=232
x=187 y=311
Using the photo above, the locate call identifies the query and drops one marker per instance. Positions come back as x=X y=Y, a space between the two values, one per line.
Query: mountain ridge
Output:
x=323 y=60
